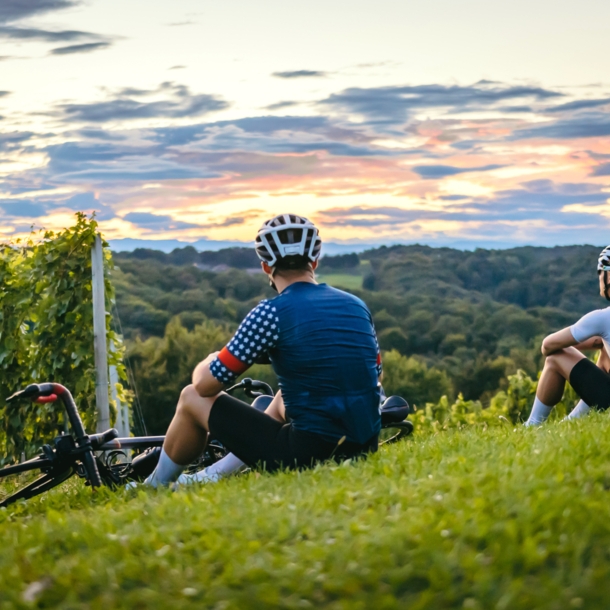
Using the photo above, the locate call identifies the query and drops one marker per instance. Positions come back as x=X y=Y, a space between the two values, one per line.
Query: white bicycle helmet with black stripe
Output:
x=603 y=266
x=288 y=238
x=603 y=262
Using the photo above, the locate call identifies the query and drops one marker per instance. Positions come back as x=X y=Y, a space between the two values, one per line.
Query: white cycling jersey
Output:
x=594 y=324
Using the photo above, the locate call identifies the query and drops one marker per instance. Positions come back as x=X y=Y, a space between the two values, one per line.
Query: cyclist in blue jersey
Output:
x=322 y=345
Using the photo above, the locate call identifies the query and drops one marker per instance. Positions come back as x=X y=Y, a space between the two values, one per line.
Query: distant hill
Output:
x=477 y=316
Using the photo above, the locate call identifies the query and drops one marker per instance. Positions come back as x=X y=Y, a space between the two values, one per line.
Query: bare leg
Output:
x=231 y=464
x=603 y=360
x=557 y=369
x=276 y=408
x=187 y=435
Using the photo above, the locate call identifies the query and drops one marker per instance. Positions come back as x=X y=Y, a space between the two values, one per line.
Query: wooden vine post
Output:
x=99 y=337
x=106 y=378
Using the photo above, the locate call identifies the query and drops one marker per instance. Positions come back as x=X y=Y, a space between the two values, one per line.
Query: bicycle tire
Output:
x=43 y=483
x=404 y=429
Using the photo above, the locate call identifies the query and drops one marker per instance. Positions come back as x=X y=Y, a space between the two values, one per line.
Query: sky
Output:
x=467 y=123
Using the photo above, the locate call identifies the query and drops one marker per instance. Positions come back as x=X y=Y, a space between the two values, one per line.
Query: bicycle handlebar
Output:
x=252 y=388
x=47 y=392
x=39 y=390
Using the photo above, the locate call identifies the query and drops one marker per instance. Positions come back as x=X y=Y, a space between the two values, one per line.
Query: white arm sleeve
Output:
x=594 y=324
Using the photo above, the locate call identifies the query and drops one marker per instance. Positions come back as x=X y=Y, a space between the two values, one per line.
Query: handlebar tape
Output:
x=46 y=399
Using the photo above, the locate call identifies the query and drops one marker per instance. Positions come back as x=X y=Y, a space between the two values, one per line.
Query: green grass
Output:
x=341 y=280
x=501 y=518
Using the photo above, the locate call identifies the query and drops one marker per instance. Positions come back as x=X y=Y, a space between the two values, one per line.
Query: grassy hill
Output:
x=498 y=517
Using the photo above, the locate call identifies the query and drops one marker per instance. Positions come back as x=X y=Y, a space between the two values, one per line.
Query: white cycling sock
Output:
x=580 y=410
x=229 y=464
x=166 y=471
x=540 y=413
x=212 y=474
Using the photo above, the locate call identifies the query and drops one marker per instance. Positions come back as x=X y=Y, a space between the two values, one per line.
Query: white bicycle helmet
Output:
x=603 y=266
x=288 y=235
x=603 y=262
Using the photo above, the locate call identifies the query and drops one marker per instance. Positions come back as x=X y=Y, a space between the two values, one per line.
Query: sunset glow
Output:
x=171 y=132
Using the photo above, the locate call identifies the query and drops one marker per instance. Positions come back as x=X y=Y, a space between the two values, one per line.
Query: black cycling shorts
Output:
x=591 y=383
x=259 y=440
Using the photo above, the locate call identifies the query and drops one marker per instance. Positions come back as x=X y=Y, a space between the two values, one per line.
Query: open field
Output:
x=341 y=280
x=497 y=518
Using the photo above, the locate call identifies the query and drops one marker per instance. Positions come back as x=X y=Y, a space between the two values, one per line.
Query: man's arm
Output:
x=205 y=383
x=590 y=344
x=557 y=341
x=256 y=335
x=564 y=338
x=587 y=333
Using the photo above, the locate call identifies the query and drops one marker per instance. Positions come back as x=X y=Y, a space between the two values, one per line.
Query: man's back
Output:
x=327 y=361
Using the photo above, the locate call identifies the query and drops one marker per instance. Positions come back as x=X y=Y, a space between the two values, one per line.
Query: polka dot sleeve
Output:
x=256 y=335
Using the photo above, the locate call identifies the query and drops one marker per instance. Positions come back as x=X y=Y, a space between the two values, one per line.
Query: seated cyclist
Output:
x=322 y=345
x=565 y=360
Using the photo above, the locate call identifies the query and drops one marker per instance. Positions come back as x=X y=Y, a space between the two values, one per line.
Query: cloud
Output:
x=540 y=200
x=280 y=105
x=535 y=200
x=157 y=222
x=231 y=221
x=13 y=10
x=101 y=134
x=396 y=104
x=465 y=144
x=602 y=170
x=9 y=141
x=431 y=172
x=274 y=135
x=126 y=106
x=597 y=155
x=593 y=125
x=300 y=74
x=113 y=163
x=22 y=208
x=321 y=159
x=80 y=48
x=82 y=201
x=16 y=33
x=580 y=105
x=363 y=216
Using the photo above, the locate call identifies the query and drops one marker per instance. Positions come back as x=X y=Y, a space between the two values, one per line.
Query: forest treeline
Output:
x=450 y=321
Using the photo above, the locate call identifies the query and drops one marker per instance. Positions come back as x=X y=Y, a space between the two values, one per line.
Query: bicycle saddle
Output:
x=262 y=402
x=394 y=410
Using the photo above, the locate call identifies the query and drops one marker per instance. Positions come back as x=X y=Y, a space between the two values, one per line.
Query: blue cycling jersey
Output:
x=322 y=345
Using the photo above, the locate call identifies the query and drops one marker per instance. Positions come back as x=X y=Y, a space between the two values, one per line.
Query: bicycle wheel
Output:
x=50 y=476
x=392 y=433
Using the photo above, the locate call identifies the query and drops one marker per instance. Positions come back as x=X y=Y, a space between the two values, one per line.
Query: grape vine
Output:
x=46 y=332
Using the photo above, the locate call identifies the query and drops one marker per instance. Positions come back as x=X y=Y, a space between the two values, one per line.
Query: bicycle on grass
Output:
x=75 y=453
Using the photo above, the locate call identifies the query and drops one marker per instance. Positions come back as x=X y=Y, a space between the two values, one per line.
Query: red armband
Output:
x=235 y=365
